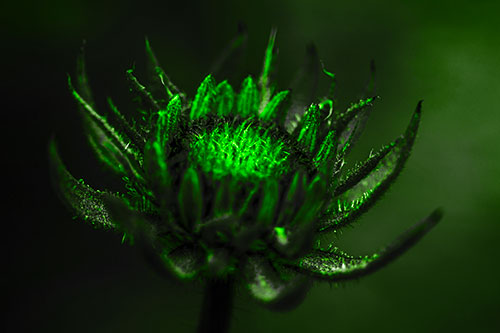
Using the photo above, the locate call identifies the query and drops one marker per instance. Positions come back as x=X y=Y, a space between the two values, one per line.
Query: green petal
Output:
x=307 y=131
x=354 y=201
x=190 y=199
x=275 y=286
x=265 y=77
x=203 y=99
x=224 y=99
x=167 y=121
x=272 y=109
x=335 y=265
x=269 y=202
x=331 y=92
x=248 y=98
x=326 y=155
x=87 y=203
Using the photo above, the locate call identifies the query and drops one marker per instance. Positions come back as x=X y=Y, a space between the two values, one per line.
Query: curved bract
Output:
x=233 y=183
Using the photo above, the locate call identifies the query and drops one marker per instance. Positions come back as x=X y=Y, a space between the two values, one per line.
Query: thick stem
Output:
x=217 y=306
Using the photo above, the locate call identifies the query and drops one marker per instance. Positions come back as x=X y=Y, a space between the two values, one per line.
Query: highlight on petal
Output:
x=334 y=265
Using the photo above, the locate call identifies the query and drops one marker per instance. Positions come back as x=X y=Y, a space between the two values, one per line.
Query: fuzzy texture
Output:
x=236 y=185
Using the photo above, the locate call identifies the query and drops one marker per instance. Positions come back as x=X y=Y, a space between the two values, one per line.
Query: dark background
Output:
x=63 y=276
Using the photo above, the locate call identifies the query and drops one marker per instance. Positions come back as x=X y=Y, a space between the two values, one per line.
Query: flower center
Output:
x=242 y=151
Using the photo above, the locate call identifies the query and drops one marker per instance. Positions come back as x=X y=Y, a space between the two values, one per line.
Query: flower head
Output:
x=235 y=183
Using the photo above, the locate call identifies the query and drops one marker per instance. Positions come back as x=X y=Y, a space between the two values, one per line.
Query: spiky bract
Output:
x=231 y=183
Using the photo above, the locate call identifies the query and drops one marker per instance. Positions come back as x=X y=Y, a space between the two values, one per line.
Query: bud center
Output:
x=244 y=151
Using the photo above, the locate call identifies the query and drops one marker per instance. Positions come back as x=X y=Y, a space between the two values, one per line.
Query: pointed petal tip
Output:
x=419 y=106
x=434 y=217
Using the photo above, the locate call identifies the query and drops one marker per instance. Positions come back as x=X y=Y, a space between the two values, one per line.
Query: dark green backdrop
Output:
x=66 y=277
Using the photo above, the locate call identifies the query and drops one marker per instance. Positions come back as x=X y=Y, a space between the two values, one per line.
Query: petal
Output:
x=265 y=77
x=167 y=121
x=307 y=130
x=185 y=262
x=274 y=107
x=224 y=99
x=276 y=286
x=248 y=98
x=203 y=99
x=335 y=265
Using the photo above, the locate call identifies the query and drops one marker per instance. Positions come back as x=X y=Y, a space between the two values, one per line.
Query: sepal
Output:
x=363 y=188
x=186 y=262
x=335 y=265
x=274 y=285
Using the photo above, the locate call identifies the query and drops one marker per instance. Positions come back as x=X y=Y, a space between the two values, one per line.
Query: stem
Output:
x=217 y=306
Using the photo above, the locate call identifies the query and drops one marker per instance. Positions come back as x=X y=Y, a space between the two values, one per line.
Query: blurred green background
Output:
x=66 y=277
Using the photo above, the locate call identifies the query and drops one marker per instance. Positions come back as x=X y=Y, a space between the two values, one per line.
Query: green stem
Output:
x=217 y=306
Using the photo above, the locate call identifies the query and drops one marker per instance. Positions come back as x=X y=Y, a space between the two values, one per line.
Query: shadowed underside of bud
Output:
x=233 y=183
